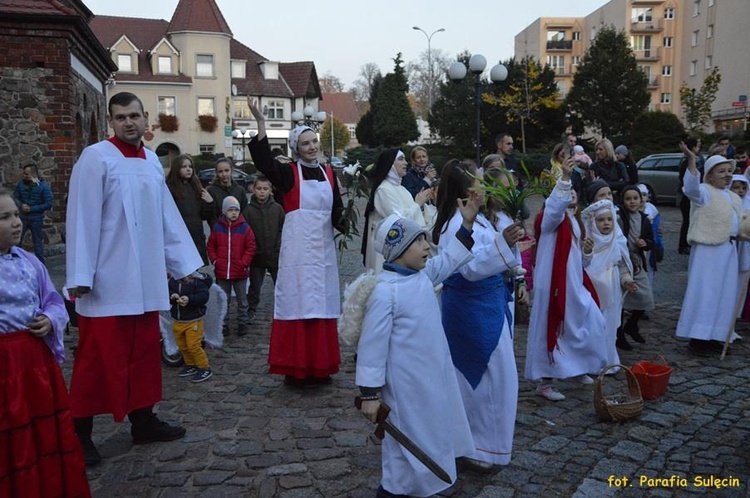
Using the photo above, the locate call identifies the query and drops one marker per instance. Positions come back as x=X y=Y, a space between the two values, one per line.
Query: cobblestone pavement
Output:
x=249 y=435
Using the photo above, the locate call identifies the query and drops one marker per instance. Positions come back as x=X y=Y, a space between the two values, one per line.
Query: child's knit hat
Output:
x=394 y=236
x=229 y=203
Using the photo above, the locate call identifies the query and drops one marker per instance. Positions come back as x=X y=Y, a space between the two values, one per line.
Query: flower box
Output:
x=168 y=123
x=208 y=123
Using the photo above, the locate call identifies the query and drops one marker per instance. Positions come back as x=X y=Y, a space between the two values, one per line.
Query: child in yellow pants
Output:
x=189 y=297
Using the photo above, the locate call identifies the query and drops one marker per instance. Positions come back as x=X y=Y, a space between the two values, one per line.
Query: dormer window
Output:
x=165 y=64
x=125 y=63
x=238 y=69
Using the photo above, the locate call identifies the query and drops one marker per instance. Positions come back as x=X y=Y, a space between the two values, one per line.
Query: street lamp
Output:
x=243 y=134
x=429 y=62
x=477 y=65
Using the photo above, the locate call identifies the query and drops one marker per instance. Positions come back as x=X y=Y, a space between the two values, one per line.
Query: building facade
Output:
x=194 y=79
x=673 y=42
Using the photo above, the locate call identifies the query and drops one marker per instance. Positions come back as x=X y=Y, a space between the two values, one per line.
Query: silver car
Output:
x=660 y=173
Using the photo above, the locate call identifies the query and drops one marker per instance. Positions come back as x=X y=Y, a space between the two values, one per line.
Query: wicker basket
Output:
x=618 y=407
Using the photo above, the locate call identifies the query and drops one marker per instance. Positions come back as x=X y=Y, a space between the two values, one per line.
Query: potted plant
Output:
x=208 y=122
x=168 y=123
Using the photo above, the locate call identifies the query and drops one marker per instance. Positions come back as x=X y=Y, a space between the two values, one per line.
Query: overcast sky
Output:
x=340 y=36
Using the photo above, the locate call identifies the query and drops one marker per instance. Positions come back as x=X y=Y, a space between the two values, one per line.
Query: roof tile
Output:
x=198 y=15
x=341 y=105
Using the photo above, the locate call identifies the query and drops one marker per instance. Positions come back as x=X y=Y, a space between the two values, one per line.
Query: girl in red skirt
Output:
x=39 y=452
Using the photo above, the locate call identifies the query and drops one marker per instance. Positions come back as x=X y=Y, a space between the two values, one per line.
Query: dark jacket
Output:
x=38 y=196
x=231 y=247
x=197 y=294
x=266 y=220
x=193 y=211
x=647 y=234
x=613 y=172
x=414 y=182
x=219 y=193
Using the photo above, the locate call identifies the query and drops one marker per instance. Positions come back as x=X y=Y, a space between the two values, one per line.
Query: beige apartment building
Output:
x=194 y=78
x=674 y=41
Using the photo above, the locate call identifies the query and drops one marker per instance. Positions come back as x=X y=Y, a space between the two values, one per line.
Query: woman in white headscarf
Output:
x=304 y=340
x=387 y=197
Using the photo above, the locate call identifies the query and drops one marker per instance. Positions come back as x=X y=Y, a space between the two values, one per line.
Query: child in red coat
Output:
x=231 y=247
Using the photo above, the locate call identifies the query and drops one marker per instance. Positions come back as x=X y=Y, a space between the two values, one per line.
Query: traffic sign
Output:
x=738 y=103
x=743 y=98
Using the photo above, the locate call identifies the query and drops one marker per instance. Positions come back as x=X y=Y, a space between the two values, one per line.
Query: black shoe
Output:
x=155 y=430
x=717 y=347
x=633 y=331
x=621 y=342
x=700 y=348
x=382 y=493
x=225 y=330
x=90 y=454
x=684 y=250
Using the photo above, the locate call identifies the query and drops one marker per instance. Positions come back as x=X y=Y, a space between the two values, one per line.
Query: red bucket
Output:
x=653 y=378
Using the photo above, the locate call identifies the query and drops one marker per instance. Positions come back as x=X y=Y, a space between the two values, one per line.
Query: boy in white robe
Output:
x=403 y=356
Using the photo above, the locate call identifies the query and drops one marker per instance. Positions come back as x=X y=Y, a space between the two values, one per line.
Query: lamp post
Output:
x=429 y=62
x=243 y=134
x=477 y=65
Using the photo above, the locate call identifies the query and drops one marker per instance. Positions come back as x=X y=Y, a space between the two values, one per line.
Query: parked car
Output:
x=337 y=163
x=206 y=176
x=661 y=174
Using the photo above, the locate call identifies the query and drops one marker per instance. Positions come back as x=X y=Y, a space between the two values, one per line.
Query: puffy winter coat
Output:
x=231 y=247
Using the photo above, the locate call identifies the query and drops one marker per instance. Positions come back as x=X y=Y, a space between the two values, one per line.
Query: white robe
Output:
x=403 y=348
x=712 y=286
x=582 y=349
x=491 y=407
x=124 y=233
x=390 y=198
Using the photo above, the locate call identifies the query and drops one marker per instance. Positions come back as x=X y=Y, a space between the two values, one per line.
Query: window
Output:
x=206 y=106
x=556 y=62
x=709 y=61
x=241 y=109
x=576 y=60
x=561 y=87
x=204 y=66
x=710 y=31
x=642 y=15
x=238 y=69
x=668 y=41
x=666 y=98
x=696 y=8
x=710 y=3
x=555 y=35
x=165 y=65
x=693 y=68
x=669 y=13
x=167 y=105
x=576 y=36
x=275 y=109
x=666 y=70
x=695 y=38
x=206 y=149
x=124 y=63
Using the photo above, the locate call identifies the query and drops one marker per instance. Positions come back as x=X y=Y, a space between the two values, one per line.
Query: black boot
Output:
x=147 y=428
x=622 y=343
x=631 y=328
x=84 y=426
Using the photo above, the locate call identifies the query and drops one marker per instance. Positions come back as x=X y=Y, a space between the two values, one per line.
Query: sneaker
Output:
x=549 y=392
x=584 y=379
x=187 y=371
x=201 y=375
x=156 y=430
x=91 y=455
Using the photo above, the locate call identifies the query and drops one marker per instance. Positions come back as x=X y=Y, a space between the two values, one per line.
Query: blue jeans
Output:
x=37 y=235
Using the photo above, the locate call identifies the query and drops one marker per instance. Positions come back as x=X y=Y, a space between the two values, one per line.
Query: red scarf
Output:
x=558 y=283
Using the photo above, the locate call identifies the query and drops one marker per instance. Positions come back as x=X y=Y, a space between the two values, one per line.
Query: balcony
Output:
x=560 y=45
x=652 y=26
x=653 y=82
x=647 y=55
x=561 y=70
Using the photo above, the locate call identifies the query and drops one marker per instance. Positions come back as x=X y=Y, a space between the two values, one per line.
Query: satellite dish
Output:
x=234 y=89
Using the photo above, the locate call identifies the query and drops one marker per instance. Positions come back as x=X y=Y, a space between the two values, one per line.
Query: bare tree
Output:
x=425 y=75
x=363 y=86
x=330 y=83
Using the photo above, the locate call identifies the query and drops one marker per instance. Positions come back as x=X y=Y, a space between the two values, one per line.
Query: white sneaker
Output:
x=549 y=392
x=584 y=379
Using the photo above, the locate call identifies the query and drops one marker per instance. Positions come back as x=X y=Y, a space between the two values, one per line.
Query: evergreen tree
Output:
x=394 y=122
x=365 y=130
x=609 y=91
